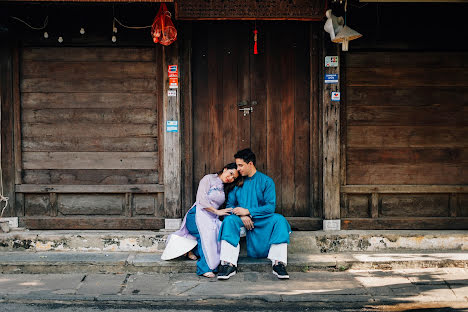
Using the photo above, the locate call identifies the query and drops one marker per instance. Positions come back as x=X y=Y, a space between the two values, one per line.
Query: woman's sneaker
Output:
x=280 y=271
x=226 y=271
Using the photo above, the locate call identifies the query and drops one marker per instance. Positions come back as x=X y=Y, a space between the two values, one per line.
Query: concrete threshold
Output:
x=122 y=262
x=302 y=242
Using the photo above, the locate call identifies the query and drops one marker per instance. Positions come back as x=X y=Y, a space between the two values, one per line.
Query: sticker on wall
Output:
x=171 y=92
x=172 y=71
x=335 y=96
x=331 y=61
x=331 y=78
x=173 y=83
x=172 y=126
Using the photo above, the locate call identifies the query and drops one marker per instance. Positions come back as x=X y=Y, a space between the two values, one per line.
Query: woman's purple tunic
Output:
x=210 y=194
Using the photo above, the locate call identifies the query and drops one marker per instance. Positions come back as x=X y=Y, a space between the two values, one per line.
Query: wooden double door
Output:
x=262 y=101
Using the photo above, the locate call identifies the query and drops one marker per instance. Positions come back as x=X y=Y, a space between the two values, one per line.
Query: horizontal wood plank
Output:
x=88 y=85
x=356 y=206
x=90 y=204
x=405 y=223
x=98 y=144
x=76 y=54
x=406 y=189
x=403 y=156
x=88 y=70
x=417 y=77
x=454 y=174
x=407 y=59
x=89 y=100
x=131 y=188
x=90 y=176
x=405 y=96
x=94 y=223
x=146 y=204
x=90 y=160
x=93 y=115
x=305 y=223
x=446 y=115
x=407 y=136
x=85 y=130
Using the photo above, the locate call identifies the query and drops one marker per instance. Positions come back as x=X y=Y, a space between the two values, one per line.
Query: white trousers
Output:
x=278 y=252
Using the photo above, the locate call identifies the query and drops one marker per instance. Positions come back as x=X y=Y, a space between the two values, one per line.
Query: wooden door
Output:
x=228 y=76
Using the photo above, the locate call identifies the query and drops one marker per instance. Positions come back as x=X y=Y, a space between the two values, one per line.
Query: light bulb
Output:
x=60 y=39
x=114 y=29
x=46 y=35
x=82 y=31
x=114 y=38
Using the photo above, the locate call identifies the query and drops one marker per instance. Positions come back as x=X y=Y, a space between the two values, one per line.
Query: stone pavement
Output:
x=365 y=287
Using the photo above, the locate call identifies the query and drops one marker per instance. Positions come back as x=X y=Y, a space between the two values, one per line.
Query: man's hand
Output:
x=248 y=223
x=239 y=211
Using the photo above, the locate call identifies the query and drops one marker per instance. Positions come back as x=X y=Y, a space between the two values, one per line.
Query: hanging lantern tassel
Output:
x=255 y=40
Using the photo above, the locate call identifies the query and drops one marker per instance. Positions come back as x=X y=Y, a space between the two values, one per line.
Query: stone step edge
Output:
x=132 y=264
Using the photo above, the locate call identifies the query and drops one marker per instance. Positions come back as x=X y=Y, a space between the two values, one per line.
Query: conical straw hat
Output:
x=177 y=246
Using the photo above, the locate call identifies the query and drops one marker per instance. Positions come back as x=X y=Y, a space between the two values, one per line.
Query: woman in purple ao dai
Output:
x=200 y=227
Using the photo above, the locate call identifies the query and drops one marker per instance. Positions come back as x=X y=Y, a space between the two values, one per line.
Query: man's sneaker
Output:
x=226 y=271
x=280 y=271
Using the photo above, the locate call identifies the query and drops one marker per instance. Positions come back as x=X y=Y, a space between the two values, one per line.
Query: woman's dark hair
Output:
x=228 y=187
x=247 y=155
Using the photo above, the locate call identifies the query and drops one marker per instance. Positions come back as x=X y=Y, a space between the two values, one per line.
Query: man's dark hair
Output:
x=247 y=155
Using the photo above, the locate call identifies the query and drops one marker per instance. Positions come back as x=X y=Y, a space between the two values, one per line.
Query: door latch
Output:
x=246 y=110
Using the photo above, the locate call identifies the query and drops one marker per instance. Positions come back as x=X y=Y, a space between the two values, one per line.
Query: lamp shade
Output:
x=345 y=35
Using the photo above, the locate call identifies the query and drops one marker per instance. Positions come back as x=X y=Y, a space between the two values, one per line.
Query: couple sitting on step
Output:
x=250 y=203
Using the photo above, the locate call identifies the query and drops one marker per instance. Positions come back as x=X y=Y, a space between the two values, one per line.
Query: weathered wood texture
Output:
x=7 y=143
x=90 y=117
x=226 y=73
x=331 y=147
x=407 y=127
x=172 y=144
x=95 y=223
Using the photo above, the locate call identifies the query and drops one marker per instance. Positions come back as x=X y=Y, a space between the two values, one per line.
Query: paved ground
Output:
x=443 y=288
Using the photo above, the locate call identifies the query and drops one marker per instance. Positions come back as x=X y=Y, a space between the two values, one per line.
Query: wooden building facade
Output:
x=84 y=142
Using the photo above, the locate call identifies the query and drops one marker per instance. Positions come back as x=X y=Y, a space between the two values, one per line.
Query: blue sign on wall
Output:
x=172 y=126
x=331 y=78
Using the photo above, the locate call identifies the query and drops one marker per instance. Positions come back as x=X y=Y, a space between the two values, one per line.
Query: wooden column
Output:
x=7 y=126
x=331 y=147
x=172 y=147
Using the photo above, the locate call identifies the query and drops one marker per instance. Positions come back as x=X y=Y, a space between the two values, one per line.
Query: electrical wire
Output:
x=131 y=27
x=46 y=21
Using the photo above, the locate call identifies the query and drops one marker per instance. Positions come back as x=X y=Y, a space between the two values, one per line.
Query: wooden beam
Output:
x=305 y=224
x=17 y=115
x=7 y=126
x=331 y=148
x=186 y=116
x=375 y=205
x=93 y=223
x=405 y=224
x=404 y=189
x=172 y=148
x=52 y=188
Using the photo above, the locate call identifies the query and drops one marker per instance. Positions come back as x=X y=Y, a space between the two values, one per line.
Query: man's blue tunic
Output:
x=259 y=197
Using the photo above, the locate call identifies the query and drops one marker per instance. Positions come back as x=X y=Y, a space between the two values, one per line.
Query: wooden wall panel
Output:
x=90 y=176
x=84 y=204
x=407 y=124
x=421 y=205
x=90 y=116
x=356 y=206
x=36 y=204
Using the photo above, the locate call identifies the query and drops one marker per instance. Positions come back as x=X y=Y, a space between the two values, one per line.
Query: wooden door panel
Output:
x=278 y=129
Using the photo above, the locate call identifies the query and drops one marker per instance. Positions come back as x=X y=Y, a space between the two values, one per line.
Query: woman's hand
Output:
x=223 y=212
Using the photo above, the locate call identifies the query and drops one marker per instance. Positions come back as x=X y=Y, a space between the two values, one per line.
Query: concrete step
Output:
x=304 y=242
x=123 y=262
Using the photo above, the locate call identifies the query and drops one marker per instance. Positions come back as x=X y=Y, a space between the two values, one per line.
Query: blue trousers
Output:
x=202 y=266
